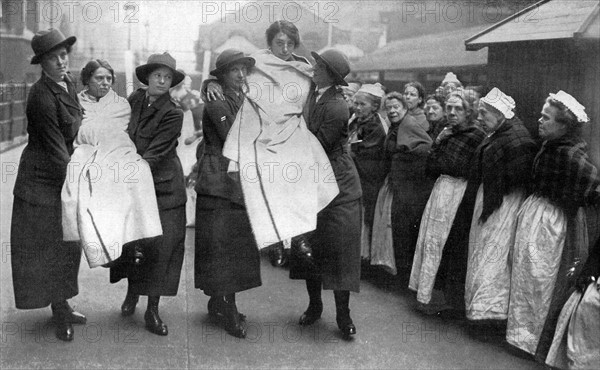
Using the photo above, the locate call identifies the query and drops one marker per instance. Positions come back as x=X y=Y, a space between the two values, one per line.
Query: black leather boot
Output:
x=315 y=305
x=344 y=322
x=277 y=255
x=233 y=324
x=138 y=256
x=64 y=329
x=153 y=322
x=216 y=308
x=63 y=308
x=302 y=251
x=128 y=306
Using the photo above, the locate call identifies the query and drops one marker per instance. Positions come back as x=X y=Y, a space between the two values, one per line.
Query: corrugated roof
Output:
x=545 y=20
x=430 y=51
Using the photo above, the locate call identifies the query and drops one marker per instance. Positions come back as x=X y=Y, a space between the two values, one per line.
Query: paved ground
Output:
x=391 y=334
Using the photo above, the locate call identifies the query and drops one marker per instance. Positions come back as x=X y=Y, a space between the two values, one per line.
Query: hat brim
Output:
x=248 y=61
x=69 y=41
x=142 y=72
x=339 y=80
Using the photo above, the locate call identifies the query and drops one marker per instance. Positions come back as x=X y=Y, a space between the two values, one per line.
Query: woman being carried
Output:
x=108 y=196
x=285 y=174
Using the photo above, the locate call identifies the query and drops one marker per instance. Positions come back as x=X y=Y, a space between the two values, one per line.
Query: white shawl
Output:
x=285 y=173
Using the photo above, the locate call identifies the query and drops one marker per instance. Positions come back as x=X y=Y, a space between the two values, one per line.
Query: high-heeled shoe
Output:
x=128 y=306
x=233 y=324
x=153 y=322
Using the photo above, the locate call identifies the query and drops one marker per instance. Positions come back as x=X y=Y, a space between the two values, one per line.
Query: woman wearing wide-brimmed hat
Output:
x=154 y=127
x=227 y=260
x=337 y=236
x=44 y=267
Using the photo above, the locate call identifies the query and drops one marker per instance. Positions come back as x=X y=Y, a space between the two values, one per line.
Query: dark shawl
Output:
x=502 y=163
x=453 y=155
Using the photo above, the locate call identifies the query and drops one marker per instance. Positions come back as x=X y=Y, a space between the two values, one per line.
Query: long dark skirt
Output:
x=159 y=274
x=336 y=248
x=452 y=271
x=406 y=220
x=226 y=259
x=44 y=267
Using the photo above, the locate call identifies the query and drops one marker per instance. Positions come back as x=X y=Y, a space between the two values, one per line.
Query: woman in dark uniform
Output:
x=154 y=127
x=336 y=241
x=227 y=259
x=44 y=267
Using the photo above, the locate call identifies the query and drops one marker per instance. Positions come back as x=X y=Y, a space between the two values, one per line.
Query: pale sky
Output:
x=174 y=25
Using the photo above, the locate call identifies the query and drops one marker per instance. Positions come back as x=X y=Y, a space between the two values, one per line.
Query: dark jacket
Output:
x=154 y=130
x=213 y=179
x=408 y=144
x=369 y=157
x=53 y=117
x=327 y=119
x=339 y=224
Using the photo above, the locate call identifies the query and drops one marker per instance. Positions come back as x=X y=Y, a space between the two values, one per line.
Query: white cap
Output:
x=373 y=89
x=451 y=77
x=572 y=104
x=502 y=102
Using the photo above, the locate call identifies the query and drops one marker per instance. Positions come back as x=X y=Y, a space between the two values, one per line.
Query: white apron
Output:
x=436 y=223
x=487 y=285
x=382 y=245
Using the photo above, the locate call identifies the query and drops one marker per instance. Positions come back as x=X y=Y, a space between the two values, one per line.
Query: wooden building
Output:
x=550 y=46
x=426 y=59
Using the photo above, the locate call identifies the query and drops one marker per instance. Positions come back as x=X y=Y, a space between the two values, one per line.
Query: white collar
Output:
x=321 y=91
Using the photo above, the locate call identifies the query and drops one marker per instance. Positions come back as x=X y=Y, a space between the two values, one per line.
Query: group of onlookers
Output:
x=485 y=221
x=488 y=221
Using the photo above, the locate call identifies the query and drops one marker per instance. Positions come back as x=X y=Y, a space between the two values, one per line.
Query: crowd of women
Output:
x=450 y=189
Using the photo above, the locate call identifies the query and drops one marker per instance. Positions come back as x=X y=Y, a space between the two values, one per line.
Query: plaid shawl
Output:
x=436 y=127
x=563 y=174
x=454 y=154
x=502 y=162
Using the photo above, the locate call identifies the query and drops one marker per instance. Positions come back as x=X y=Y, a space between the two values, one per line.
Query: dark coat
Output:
x=44 y=267
x=327 y=119
x=213 y=179
x=336 y=241
x=154 y=130
x=369 y=158
x=226 y=256
x=53 y=117
x=408 y=143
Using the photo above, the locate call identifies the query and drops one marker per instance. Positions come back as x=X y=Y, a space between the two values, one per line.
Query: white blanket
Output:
x=108 y=197
x=286 y=175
